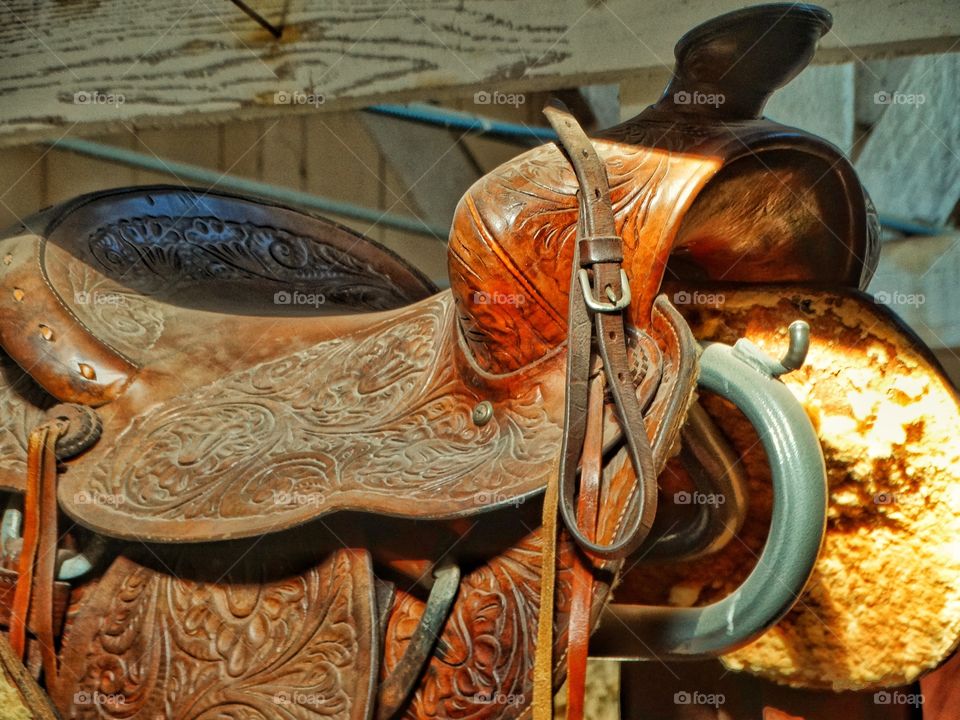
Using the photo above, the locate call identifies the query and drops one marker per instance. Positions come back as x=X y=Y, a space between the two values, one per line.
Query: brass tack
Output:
x=46 y=332
x=18 y=294
x=88 y=372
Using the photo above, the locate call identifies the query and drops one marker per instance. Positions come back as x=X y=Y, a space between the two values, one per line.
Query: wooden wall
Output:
x=328 y=154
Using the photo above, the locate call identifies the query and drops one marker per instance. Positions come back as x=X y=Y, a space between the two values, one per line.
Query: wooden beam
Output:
x=84 y=67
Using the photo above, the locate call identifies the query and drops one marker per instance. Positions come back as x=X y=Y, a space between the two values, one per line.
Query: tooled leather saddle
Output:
x=259 y=467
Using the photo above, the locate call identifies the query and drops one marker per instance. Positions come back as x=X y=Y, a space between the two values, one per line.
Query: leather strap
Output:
x=8 y=588
x=14 y=676
x=396 y=688
x=581 y=601
x=601 y=256
x=599 y=249
x=542 y=702
x=28 y=553
x=34 y=596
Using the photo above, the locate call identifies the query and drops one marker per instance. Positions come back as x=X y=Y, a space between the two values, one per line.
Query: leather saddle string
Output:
x=398 y=685
x=581 y=594
x=600 y=249
x=579 y=354
x=33 y=598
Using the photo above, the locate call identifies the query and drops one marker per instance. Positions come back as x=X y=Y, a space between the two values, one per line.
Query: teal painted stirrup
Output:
x=746 y=377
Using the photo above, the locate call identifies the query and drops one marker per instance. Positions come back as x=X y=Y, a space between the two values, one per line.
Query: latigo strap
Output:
x=34 y=594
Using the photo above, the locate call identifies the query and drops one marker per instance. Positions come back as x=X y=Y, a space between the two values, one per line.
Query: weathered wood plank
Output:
x=819 y=100
x=22 y=181
x=427 y=254
x=343 y=163
x=195 y=145
x=488 y=151
x=430 y=161
x=917 y=279
x=284 y=157
x=642 y=88
x=910 y=164
x=68 y=175
x=97 y=64
x=877 y=76
x=241 y=148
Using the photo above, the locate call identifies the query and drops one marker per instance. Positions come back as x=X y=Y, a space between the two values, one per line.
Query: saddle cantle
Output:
x=396 y=459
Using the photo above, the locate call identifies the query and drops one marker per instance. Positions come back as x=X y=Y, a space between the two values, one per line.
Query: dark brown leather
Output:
x=8 y=586
x=595 y=230
x=742 y=56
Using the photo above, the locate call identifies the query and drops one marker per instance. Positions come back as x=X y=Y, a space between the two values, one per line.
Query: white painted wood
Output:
x=819 y=100
x=882 y=75
x=917 y=279
x=641 y=89
x=604 y=102
x=176 y=61
x=910 y=164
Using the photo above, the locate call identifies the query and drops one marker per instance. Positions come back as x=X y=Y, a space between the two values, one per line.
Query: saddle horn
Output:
x=729 y=66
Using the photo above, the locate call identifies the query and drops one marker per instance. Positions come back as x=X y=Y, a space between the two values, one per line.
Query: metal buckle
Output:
x=615 y=304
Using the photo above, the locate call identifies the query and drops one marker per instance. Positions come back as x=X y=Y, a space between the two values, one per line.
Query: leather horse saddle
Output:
x=260 y=467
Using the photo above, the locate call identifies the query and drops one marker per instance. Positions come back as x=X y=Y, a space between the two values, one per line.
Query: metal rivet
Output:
x=46 y=332
x=18 y=294
x=482 y=413
x=88 y=372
